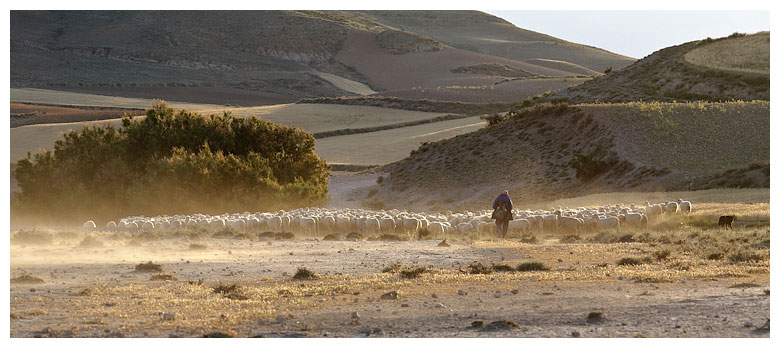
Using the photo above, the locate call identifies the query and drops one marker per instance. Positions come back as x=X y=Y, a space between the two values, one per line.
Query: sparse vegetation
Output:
x=164 y=277
x=230 y=291
x=632 y=261
x=304 y=274
x=27 y=279
x=532 y=266
x=148 y=267
x=412 y=272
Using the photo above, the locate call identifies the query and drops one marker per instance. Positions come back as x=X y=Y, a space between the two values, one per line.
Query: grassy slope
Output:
x=748 y=54
x=653 y=146
x=494 y=36
x=667 y=75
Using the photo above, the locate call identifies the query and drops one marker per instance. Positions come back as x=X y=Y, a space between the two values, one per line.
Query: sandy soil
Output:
x=95 y=292
x=348 y=190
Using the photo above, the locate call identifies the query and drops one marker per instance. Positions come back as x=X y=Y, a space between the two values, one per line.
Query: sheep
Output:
x=437 y=228
x=372 y=225
x=519 y=225
x=550 y=221
x=608 y=222
x=387 y=225
x=685 y=206
x=653 y=210
x=672 y=207
x=570 y=223
x=307 y=225
x=328 y=222
x=275 y=223
x=635 y=219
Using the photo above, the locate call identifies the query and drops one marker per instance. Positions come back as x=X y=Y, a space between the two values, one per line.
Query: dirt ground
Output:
x=95 y=292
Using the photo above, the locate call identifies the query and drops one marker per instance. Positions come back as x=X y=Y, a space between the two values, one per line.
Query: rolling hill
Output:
x=252 y=58
x=557 y=151
x=735 y=67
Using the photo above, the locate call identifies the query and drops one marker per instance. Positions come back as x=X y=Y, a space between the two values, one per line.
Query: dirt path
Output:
x=348 y=190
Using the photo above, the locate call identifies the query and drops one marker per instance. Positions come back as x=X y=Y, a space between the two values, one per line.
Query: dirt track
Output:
x=95 y=292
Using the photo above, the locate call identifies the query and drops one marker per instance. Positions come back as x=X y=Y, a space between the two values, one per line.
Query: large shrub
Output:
x=171 y=162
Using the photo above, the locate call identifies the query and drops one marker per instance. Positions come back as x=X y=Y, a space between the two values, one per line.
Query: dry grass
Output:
x=27 y=279
x=304 y=274
x=532 y=267
x=164 y=277
x=148 y=267
x=746 y=54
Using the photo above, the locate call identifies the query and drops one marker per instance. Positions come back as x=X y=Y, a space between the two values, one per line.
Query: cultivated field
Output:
x=390 y=145
x=748 y=54
x=310 y=117
x=692 y=280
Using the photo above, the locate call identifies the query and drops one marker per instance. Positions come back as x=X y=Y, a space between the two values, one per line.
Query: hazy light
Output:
x=637 y=33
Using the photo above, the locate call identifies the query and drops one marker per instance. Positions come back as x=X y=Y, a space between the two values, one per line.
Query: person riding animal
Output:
x=502 y=213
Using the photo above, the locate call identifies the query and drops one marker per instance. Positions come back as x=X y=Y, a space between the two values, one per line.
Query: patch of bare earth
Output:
x=246 y=288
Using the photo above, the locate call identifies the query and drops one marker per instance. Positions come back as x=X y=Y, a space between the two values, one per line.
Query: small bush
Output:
x=570 y=238
x=27 y=279
x=229 y=291
x=148 y=267
x=412 y=272
x=588 y=166
x=392 y=268
x=661 y=255
x=493 y=119
x=503 y=268
x=171 y=277
x=304 y=274
x=631 y=261
x=479 y=268
x=745 y=256
x=219 y=334
x=717 y=255
x=532 y=266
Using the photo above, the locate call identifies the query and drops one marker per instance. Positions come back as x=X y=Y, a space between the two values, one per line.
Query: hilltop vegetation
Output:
x=732 y=68
x=555 y=151
x=170 y=162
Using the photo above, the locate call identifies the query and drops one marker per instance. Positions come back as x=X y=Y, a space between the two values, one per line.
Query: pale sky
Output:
x=637 y=33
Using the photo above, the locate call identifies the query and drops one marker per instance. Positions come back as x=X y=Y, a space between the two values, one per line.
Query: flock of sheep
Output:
x=320 y=221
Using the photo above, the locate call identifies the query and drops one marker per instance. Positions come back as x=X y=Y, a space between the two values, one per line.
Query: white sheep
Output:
x=685 y=206
x=672 y=208
x=519 y=225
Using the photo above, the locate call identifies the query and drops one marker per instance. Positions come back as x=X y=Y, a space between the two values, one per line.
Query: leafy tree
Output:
x=171 y=162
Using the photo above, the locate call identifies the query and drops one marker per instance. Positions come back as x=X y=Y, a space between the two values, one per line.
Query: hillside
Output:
x=730 y=68
x=487 y=34
x=620 y=147
x=269 y=57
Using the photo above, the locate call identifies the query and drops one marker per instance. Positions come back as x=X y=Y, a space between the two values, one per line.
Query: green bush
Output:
x=588 y=166
x=171 y=162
